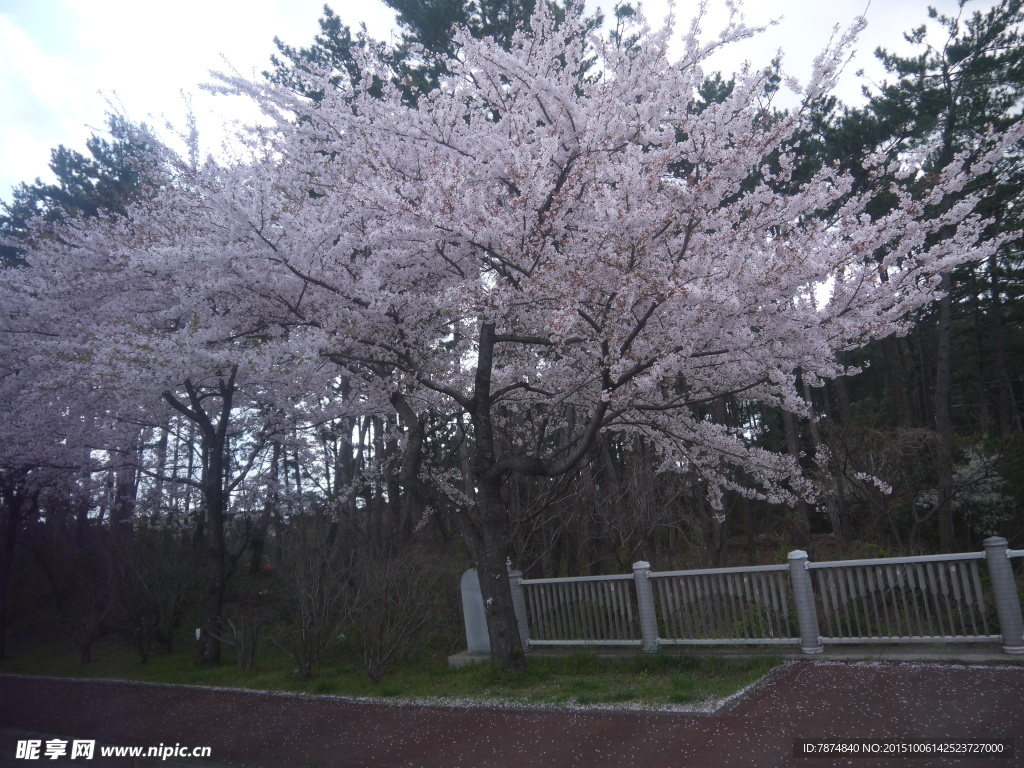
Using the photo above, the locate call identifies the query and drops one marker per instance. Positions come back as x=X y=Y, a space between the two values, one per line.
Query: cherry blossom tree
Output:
x=48 y=426
x=527 y=257
x=138 y=316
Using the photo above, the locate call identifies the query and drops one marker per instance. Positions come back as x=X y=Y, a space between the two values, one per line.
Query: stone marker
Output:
x=473 y=613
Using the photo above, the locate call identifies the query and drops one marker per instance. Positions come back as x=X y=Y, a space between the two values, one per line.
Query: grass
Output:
x=580 y=678
x=653 y=681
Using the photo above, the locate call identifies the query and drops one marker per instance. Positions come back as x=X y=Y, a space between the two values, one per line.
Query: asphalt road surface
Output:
x=805 y=701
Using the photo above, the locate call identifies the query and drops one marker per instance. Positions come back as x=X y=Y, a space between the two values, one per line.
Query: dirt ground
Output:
x=804 y=701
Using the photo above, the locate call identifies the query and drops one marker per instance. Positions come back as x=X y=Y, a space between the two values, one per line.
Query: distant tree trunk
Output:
x=125 y=491
x=925 y=368
x=157 y=499
x=748 y=527
x=801 y=533
x=836 y=504
x=297 y=466
x=611 y=473
x=843 y=400
x=190 y=469
x=12 y=510
x=1009 y=415
x=895 y=381
x=406 y=508
x=259 y=538
x=944 y=418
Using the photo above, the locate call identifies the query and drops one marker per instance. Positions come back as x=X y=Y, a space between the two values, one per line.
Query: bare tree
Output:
x=314 y=591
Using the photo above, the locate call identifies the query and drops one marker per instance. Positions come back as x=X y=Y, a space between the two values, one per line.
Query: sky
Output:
x=64 y=64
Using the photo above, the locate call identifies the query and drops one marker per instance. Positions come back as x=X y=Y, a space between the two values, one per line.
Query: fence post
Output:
x=519 y=603
x=1004 y=591
x=803 y=596
x=645 y=602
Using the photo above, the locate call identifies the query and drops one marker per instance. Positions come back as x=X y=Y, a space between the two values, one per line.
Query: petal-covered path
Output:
x=804 y=701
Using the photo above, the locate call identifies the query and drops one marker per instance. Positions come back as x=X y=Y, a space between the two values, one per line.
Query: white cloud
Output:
x=43 y=96
x=142 y=55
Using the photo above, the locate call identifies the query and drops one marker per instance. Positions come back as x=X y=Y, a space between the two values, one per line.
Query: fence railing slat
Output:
x=687 y=587
x=979 y=597
x=678 y=620
x=534 y=619
x=614 y=619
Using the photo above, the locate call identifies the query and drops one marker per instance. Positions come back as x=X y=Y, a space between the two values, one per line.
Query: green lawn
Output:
x=582 y=678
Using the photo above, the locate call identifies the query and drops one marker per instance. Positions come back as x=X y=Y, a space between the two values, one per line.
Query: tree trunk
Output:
x=492 y=566
x=209 y=651
x=492 y=520
x=213 y=438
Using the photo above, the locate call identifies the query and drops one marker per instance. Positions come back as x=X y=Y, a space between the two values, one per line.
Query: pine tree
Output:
x=965 y=79
x=428 y=38
x=117 y=169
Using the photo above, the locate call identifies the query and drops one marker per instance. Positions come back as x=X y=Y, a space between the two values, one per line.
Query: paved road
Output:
x=807 y=700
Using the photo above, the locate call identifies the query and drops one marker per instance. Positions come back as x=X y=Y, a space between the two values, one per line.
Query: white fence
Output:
x=967 y=597
x=595 y=610
x=737 y=605
x=937 y=599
